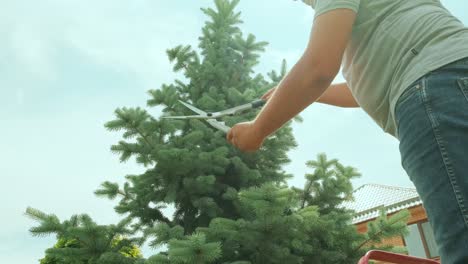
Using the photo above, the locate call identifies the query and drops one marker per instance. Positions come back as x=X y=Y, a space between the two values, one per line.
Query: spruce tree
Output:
x=80 y=240
x=188 y=163
x=230 y=206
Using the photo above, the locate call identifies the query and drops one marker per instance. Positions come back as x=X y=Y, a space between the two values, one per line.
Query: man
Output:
x=406 y=64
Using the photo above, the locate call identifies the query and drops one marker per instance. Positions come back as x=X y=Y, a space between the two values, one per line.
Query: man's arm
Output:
x=312 y=74
x=338 y=95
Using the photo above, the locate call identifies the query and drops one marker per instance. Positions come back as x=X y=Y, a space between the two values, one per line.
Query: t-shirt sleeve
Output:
x=323 y=6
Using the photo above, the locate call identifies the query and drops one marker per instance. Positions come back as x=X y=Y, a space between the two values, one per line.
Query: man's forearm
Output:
x=301 y=87
x=338 y=95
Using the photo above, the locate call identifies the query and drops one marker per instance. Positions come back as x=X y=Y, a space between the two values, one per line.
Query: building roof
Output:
x=369 y=199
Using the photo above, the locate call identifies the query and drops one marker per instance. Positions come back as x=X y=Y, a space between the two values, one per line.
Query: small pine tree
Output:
x=82 y=241
x=189 y=164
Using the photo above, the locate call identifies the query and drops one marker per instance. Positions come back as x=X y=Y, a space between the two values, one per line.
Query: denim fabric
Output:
x=432 y=121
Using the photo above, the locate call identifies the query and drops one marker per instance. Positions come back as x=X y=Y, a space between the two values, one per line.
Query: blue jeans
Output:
x=432 y=120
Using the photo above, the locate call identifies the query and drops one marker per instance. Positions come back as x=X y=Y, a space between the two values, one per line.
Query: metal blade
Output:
x=240 y=108
x=232 y=111
x=193 y=108
x=186 y=117
x=218 y=125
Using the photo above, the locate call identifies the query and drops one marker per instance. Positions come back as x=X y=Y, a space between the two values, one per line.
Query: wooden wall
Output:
x=417 y=214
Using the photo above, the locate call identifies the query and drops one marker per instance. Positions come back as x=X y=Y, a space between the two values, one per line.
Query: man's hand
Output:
x=245 y=136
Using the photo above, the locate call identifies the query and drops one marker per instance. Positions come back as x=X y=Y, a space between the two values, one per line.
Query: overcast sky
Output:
x=65 y=65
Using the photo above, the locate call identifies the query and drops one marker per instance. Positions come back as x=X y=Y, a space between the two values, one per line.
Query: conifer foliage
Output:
x=189 y=164
x=82 y=241
x=230 y=207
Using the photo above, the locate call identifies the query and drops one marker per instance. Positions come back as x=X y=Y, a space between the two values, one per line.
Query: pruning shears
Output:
x=211 y=117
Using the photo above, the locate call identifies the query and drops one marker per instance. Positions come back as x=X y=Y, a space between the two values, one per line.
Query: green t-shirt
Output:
x=393 y=44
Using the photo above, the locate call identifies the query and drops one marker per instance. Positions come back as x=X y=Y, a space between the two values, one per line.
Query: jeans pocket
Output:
x=463 y=84
x=407 y=94
x=407 y=101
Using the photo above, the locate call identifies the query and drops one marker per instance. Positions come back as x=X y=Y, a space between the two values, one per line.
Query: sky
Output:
x=66 y=65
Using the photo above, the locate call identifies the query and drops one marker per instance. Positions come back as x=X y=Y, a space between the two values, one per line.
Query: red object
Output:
x=393 y=258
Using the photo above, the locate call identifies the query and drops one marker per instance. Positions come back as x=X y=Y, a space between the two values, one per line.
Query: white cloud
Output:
x=123 y=36
x=32 y=53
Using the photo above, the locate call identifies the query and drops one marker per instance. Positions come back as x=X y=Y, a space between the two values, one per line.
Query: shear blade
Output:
x=233 y=110
x=193 y=108
x=187 y=117
x=218 y=125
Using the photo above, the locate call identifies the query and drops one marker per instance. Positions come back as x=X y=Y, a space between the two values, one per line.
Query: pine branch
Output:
x=401 y=216
x=305 y=192
x=48 y=223
x=109 y=189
